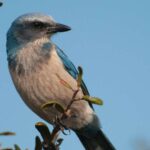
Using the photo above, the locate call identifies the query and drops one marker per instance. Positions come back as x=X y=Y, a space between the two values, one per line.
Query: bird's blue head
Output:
x=30 y=27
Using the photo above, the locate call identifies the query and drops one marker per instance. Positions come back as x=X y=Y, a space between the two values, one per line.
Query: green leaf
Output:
x=7 y=133
x=17 y=147
x=55 y=105
x=93 y=100
x=79 y=78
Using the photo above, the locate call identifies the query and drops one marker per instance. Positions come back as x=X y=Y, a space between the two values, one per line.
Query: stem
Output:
x=73 y=99
x=55 y=132
x=57 y=128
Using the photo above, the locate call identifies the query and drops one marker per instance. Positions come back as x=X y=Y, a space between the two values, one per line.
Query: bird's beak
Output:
x=60 y=28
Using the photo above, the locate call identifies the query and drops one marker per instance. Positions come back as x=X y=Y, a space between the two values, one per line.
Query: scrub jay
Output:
x=36 y=66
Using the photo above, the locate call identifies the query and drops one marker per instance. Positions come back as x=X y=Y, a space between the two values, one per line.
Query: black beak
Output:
x=60 y=28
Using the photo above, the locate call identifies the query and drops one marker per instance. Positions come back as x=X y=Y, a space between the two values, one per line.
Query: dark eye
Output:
x=38 y=24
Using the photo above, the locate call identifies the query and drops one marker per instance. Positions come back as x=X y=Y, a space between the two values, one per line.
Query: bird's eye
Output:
x=38 y=24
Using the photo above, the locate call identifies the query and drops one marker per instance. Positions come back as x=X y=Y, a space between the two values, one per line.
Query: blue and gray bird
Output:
x=36 y=65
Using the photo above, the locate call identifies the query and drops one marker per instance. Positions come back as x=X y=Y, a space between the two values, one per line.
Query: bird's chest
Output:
x=48 y=82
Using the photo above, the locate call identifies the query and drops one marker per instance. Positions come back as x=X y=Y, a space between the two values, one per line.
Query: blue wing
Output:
x=69 y=66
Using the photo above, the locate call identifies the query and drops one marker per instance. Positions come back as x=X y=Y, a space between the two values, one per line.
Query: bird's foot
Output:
x=58 y=122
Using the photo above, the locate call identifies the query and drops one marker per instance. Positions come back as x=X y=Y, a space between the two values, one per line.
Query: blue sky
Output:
x=110 y=40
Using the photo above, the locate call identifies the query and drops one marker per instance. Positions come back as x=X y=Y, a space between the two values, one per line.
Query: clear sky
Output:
x=111 y=41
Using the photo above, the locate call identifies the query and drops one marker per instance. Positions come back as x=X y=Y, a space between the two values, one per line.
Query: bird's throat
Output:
x=31 y=57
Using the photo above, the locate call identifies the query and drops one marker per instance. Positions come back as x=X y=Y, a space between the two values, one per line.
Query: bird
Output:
x=36 y=66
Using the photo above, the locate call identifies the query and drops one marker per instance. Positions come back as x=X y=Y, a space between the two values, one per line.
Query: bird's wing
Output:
x=70 y=68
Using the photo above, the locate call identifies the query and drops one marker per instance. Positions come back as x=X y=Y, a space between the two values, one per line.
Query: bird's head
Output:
x=33 y=26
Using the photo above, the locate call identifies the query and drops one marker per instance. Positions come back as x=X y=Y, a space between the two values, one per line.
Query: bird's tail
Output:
x=95 y=141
